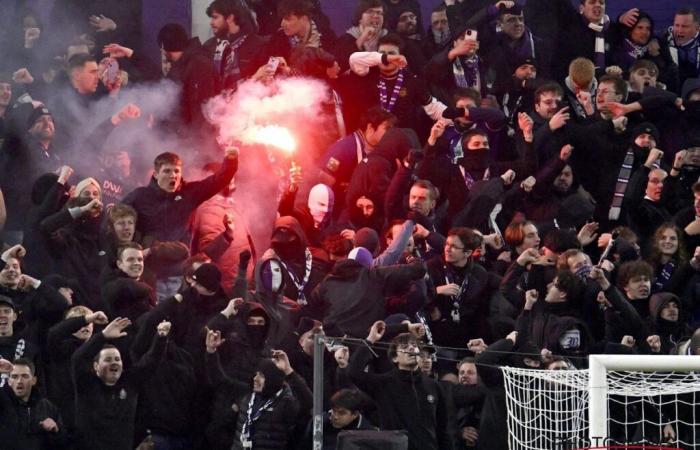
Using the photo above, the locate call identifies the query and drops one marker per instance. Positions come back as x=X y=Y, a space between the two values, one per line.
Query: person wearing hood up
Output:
x=251 y=328
x=629 y=44
x=667 y=321
x=641 y=151
x=372 y=176
x=268 y=413
x=556 y=195
x=302 y=266
x=353 y=296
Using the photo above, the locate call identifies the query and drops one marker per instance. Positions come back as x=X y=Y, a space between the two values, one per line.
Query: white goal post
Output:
x=620 y=399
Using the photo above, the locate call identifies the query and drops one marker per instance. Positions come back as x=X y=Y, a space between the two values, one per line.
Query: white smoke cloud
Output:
x=295 y=103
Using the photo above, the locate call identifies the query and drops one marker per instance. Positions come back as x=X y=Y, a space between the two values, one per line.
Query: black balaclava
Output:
x=257 y=334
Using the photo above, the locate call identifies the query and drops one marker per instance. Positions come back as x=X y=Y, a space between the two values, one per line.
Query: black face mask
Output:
x=640 y=153
x=475 y=160
x=288 y=250
x=692 y=109
x=256 y=335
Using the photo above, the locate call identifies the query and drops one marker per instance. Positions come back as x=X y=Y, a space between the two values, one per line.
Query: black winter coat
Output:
x=105 y=415
x=164 y=216
x=19 y=423
x=407 y=401
x=352 y=297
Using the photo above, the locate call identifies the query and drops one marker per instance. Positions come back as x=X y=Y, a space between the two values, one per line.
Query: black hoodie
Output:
x=292 y=254
x=352 y=297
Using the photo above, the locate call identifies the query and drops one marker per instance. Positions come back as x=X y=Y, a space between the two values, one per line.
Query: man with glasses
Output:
x=461 y=291
x=406 y=398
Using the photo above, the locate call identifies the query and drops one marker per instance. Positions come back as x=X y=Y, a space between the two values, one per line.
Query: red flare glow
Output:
x=272 y=135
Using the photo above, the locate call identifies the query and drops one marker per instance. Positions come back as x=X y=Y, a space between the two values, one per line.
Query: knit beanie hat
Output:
x=35 y=114
x=209 y=276
x=172 y=38
x=83 y=184
x=361 y=255
x=274 y=378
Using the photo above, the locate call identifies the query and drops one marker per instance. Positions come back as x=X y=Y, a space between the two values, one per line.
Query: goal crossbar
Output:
x=599 y=365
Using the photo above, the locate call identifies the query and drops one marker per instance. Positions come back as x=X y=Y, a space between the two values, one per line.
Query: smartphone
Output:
x=110 y=70
x=273 y=63
x=470 y=35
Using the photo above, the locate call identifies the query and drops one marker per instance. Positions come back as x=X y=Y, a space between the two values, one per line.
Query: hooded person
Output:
x=373 y=175
x=364 y=212
x=281 y=311
x=316 y=216
x=268 y=413
x=353 y=296
x=303 y=267
x=666 y=317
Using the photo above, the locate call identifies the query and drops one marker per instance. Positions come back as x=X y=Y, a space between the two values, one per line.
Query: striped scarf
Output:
x=466 y=72
x=622 y=180
x=226 y=63
x=599 y=51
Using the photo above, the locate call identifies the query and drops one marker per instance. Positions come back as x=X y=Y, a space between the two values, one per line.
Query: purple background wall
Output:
x=340 y=11
x=156 y=13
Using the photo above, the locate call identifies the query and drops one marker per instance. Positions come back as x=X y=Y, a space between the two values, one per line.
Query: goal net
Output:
x=619 y=400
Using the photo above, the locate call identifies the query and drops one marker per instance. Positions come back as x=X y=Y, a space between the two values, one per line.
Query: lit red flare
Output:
x=273 y=136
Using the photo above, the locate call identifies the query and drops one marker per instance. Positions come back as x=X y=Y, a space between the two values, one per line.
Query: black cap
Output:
x=646 y=128
x=522 y=60
x=209 y=276
x=7 y=301
x=35 y=114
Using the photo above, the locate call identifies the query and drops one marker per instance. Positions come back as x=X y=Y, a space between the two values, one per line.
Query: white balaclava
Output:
x=320 y=203
x=272 y=275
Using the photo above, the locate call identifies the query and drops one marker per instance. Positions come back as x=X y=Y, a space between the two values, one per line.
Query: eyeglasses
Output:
x=453 y=246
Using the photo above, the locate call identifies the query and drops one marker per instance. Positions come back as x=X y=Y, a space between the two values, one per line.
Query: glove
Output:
x=414 y=157
x=416 y=217
x=244 y=258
